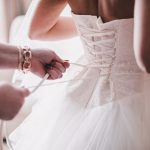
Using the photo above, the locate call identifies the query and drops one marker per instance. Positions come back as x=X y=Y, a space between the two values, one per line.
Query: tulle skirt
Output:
x=75 y=117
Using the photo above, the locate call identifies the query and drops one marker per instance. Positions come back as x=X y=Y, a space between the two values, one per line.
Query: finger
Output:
x=51 y=65
x=25 y=92
x=60 y=67
x=66 y=64
x=52 y=78
x=58 y=72
x=54 y=74
x=58 y=59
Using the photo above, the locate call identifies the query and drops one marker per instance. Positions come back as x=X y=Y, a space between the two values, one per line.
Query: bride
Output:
x=107 y=105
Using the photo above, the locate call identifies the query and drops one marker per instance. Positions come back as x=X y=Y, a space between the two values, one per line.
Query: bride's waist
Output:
x=105 y=69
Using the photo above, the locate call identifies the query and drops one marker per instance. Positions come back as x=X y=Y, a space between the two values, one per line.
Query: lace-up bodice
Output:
x=108 y=48
x=106 y=44
x=100 y=48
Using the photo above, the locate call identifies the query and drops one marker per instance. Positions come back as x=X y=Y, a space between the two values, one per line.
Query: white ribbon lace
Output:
x=100 y=48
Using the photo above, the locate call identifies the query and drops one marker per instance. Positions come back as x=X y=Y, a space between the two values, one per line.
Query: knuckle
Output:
x=53 y=52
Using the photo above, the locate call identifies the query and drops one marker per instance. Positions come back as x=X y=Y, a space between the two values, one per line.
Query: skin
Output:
x=107 y=9
x=11 y=97
x=11 y=100
x=40 y=58
x=47 y=24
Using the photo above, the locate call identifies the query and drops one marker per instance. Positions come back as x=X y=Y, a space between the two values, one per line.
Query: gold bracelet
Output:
x=20 y=58
x=24 y=58
x=27 y=56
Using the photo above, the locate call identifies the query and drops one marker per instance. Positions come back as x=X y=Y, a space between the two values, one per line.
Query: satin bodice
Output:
x=108 y=47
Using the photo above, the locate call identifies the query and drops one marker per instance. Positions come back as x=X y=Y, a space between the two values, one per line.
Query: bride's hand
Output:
x=42 y=59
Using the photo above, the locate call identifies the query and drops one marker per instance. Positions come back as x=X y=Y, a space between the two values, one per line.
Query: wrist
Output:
x=8 y=57
x=13 y=60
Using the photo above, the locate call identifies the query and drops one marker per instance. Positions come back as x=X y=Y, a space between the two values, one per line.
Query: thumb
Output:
x=25 y=92
x=58 y=59
x=66 y=64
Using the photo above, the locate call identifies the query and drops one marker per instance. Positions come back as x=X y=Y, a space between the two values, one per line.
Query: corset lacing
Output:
x=100 y=48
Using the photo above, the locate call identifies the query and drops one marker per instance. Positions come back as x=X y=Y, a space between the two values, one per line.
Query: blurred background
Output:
x=12 y=14
x=9 y=11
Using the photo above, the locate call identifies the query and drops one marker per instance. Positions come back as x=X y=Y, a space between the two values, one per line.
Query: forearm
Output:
x=142 y=34
x=64 y=29
x=8 y=57
x=46 y=23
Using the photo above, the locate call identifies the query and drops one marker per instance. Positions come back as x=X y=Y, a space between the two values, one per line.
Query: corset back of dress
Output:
x=108 y=47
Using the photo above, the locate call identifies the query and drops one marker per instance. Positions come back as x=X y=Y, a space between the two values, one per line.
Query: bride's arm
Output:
x=47 y=24
x=142 y=34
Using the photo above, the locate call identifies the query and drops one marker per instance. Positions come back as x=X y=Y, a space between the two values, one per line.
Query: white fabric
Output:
x=107 y=110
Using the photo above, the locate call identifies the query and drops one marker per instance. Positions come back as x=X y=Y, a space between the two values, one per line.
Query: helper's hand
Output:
x=11 y=100
x=43 y=58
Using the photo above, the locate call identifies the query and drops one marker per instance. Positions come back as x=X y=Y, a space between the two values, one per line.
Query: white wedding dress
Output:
x=106 y=107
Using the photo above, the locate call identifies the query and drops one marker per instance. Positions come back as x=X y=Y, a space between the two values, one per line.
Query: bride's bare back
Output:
x=47 y=24
x=107 y=9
